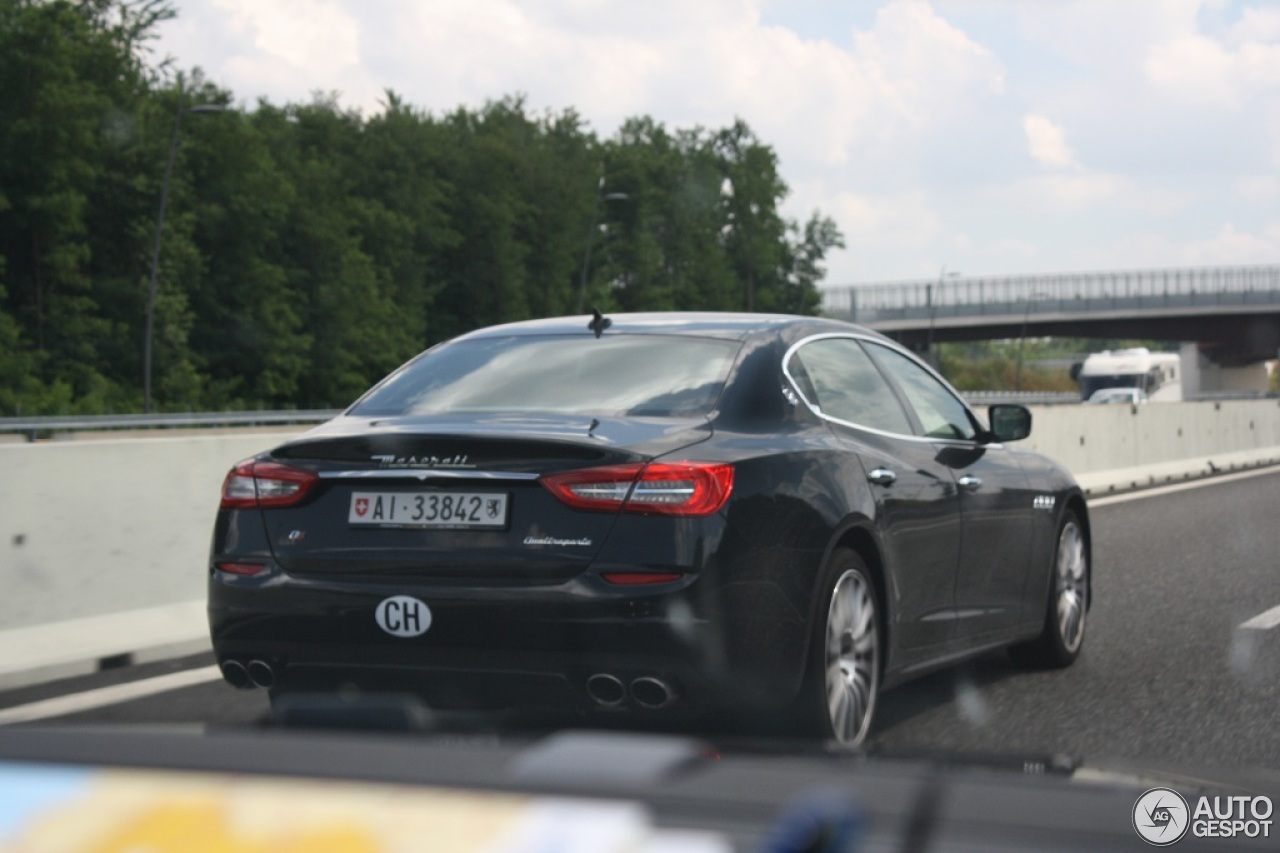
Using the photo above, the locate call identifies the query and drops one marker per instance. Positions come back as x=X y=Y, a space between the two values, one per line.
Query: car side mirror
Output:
x=1009 y=422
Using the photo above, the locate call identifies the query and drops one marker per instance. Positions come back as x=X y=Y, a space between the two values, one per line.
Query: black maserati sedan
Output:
x=671 y=516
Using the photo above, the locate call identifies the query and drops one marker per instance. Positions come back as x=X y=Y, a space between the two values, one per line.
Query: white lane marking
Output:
x=1181 y=487
x=71 y=646
x=100 y=697
x=1264 y=621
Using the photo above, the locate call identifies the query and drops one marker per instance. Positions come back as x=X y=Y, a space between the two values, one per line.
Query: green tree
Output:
x=402 y=219
x=754 y=232
x=249 y=341
x=803 y=270
x=307 y=249
x=486 y=273
x=71 y=74
x=661 y=248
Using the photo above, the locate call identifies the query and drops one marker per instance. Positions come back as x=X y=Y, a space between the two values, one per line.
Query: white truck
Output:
x=1164 y=376
x=1153 y=376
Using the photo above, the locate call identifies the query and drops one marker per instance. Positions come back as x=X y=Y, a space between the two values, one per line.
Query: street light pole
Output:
x=591 y=234
x=930 y=296
x=155 y=247
x=1022 y=339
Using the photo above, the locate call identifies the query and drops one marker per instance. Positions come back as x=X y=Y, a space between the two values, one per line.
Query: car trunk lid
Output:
x=455 y=500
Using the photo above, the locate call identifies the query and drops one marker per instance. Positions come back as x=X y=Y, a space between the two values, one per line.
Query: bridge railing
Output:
x=1019 y=296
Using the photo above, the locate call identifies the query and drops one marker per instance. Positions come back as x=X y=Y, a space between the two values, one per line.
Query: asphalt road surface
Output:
x=1169 y=672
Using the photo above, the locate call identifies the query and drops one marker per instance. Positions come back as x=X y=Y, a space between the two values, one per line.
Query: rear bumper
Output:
x=506 y=646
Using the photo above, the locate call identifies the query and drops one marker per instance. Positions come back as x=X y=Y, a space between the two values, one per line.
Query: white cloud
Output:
x=815 y=100
x=898 y=221
x=283 y=49
x=1024 y=251
x=311 y=35
x=1256 y=25
x=1046 y=142
x=1076 y=189
x=1264 y=187
x=1233 y=246
x=700 y=63
x=922 y=66
x=902 y=226
x=1081 y=190
x=1098 y=34
x=1194 y=68
x=1244 y=64
x=1224 y=244
x=980 y=134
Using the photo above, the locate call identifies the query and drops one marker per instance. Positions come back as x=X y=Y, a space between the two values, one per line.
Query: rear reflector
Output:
x=265 y=484
x=638 y=578
x=240 y=568
x=657 y=488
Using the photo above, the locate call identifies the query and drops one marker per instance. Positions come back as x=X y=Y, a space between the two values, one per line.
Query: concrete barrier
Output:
x=103 y=543
x=1116 y=447
x=1101 y=438
x=93 y=527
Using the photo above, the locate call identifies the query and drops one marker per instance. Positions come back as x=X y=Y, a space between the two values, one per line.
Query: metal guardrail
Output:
x=93 y=423
x=180 y=420
x=52 y=425
x=1027 y=398
x=1071 y=293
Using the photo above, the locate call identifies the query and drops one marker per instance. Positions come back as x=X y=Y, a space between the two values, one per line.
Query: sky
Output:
x=978 y=137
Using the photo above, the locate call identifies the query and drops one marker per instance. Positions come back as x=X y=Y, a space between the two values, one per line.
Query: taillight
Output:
x=264 y=484
x=640 y=578
x=658 y=488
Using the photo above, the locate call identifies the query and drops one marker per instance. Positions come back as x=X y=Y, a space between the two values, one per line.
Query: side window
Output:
x=941 y=414
x=847 y=385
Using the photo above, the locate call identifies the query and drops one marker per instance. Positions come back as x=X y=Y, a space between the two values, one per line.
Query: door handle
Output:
x=970 y=483
x=882 y=477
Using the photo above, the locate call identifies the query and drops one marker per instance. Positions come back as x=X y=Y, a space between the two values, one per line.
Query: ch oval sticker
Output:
x=403 y=616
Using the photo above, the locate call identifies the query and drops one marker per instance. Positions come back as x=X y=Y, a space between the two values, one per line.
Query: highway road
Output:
x=1181 y=663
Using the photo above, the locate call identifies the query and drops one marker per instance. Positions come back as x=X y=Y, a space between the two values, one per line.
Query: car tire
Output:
x=1062 y=638
x=841 y=686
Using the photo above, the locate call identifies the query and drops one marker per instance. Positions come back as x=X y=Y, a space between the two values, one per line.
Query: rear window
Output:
x=634 y=375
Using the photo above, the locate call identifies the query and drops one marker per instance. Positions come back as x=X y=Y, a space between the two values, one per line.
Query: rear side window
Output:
x=839 y=380
x=632 y=375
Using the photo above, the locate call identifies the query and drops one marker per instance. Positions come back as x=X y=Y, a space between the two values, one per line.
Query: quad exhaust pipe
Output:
x=646 y=691
x=257 y=673
x=606 y=689
x=234 y=673
x=651 y=693
x=260 y=673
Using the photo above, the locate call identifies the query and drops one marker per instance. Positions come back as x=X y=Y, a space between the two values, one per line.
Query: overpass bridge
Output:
x=1233 y=313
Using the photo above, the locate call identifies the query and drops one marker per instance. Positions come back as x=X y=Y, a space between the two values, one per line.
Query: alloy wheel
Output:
x=1072 y=585
x=852 y=662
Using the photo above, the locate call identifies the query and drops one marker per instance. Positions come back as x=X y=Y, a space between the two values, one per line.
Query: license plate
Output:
x=445 y=510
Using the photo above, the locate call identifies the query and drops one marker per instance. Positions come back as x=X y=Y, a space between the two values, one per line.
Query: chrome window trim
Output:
x=817 y=410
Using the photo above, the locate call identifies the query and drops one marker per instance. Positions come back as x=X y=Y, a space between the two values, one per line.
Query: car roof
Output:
x=738 y=326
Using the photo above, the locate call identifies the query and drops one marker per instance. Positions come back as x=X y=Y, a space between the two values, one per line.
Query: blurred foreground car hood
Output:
x=563 y=788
